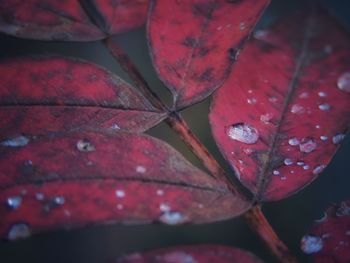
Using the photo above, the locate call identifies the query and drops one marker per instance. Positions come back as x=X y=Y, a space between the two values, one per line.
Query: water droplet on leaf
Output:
x=172 y=218
x=120 y=193
x=19 y=231
x=324 y=106
x=14 y=202
x=318 y=169
x=85 y=145
x=293 y=141
x=19 y=141
x=311 y=244
x=338 y=138
x=288 y=161
x=307 y=145
x=243 y=133
x=344 y=82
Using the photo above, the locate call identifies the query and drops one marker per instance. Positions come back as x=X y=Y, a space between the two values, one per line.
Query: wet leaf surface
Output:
x=192 y=254
x=48 y=95
x=283 y=112
x=328 y=240
x=70 y=20
x=81 y=178
x=194 y=43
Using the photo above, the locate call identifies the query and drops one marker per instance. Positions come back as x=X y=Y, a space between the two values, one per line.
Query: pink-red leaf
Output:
x=70 y=20
x=122 y=15
x=48 y=20
x=329 y=238
x=73 y=179
x=42 y=95
x=194 y=43
x=193 y=254
x=281 y=115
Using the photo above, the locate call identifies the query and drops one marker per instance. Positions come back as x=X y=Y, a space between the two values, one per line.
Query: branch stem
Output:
x=254 y=217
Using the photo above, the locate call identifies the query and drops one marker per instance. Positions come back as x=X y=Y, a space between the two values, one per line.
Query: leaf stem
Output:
x=259 y=224
x=254 y=217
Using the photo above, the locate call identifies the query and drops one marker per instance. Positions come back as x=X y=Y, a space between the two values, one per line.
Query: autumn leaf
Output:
x=194 y=43
x=283 y=112
x=328 y=239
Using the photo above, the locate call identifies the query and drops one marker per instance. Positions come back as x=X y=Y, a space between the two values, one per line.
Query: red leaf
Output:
x=280 y=116
x=122 y=15
x=329 y=238
x=44 y=95
x=49 y=20
x=68 y=20
x=193 y=254
x=194 y=43
x=79 y=178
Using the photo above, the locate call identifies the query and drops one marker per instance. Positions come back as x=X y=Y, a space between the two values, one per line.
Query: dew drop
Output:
x=307 y=145
x=18 y=141
x=288 y=161
x=164 y=207
x=324 y=106
x=266 y=118
x=317 y=126
x=115 y=127
x=323 y=138
x=319 y=169
x=343 y=210
x=338 y=138
x=19 y=231
x=120 y=193
x=242 y=26
x=300 y=163
x=306 y=167
x=293 y=141
x=120 y=206
x=297 y=109
x=311 y=244
x=344 y=82
x=39 y=196
x=304 y=95
x=275 y=172
x=251 y=100
x=273 y=99
x=14 y=202
x=322 y=94
x=85 y=145
x=141 y=169
x=243 y=133
x=172 y=218
x=160 y=192
x=59 y=200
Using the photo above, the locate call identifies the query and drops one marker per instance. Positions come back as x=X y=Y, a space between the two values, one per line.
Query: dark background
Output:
x=290 y=217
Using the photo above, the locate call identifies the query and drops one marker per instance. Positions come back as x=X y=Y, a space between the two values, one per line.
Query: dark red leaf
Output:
x=329 y=238
x=281 y=115
x=41 y=95
x=79 y=178
x=193 y=254
x=68 y=20
x=194 y=43
x=49 y=20
x=122 y=15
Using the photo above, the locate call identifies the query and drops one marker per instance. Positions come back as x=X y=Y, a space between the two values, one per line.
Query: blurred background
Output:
x=290 y=218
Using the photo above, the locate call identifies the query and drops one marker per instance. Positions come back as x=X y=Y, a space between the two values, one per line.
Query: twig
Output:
x=254 y=217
